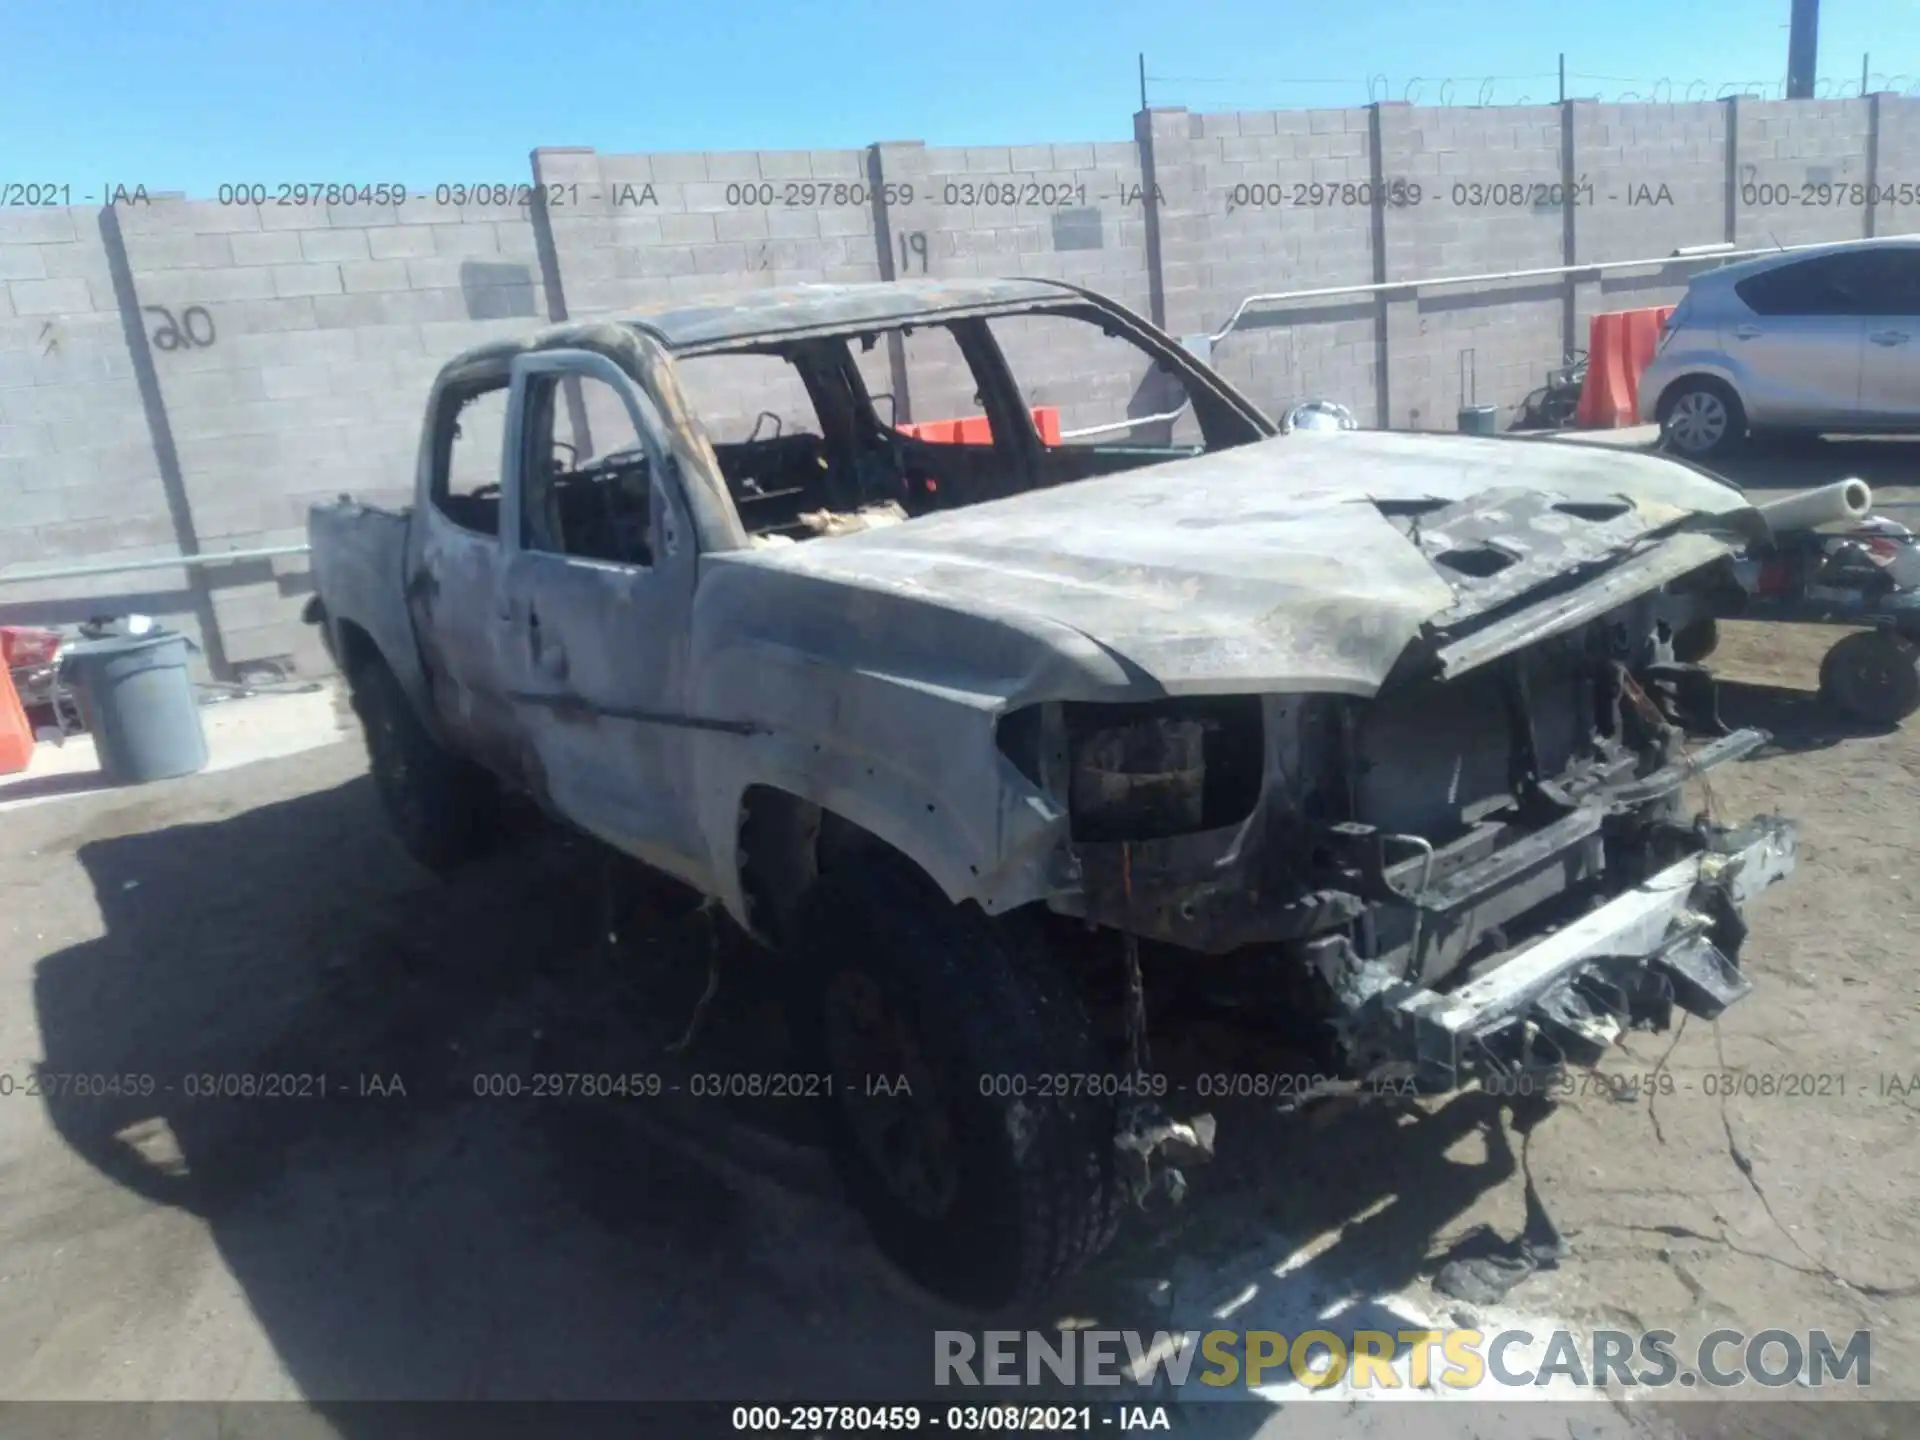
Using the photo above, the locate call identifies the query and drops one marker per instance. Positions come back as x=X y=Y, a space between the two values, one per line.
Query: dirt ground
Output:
x=406 y=1235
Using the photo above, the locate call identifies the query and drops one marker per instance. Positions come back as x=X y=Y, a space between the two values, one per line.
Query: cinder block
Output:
x=400 y=242
x=687 y=229
x=628 y=231
x=341 y=312
x=269 y=247
x=786 y=164
x=293 y=381
x=731 y=165
x=796 y=224
x=677 y=168
x=440 y=273
x=26 y=262
x=516 y=240
x=205 y=287
x=257 y=317
x=465 y=240
x=334 y=245
x=181 y=252
x=709 y=196
x=719 y=259
x=293 y=280
x=49 y=297
x=838 y=164
x=366 y=276
x=81 y=259
x=24 y=225
x=562 y=165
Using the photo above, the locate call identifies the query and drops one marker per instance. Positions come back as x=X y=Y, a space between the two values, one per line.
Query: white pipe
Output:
x=1591 y=268
x=166 y=562
x=1121 y=424
x=1844 y=500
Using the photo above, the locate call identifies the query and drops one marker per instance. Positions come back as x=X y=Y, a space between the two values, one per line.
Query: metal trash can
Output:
x=139 y=704
x=1474 y=418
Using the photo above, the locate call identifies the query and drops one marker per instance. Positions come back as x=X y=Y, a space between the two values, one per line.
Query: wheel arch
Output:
x=781 y=836
x=1698 y=374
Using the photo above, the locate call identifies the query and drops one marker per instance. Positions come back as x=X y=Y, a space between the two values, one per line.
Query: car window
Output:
x=744 y=399
x=1842 y=284
x=1102 y=388
x=927 y=359
x=466 y=479
x=587 y=489
x=1892 y=281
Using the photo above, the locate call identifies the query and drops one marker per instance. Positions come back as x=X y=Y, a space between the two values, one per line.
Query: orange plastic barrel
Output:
x=16 y=735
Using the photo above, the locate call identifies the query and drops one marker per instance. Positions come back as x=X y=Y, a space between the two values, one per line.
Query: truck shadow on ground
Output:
x=1798 y=720
x=415 y=1233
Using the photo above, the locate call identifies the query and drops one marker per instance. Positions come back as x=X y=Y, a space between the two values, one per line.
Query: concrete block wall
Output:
x=184 y=375
x=1269 y=201
x=1491 y=199
x=1651 y=178
x=78 y=473
x=327 y=323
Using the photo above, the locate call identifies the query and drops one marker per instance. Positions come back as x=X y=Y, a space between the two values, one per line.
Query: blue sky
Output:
x=188 y=96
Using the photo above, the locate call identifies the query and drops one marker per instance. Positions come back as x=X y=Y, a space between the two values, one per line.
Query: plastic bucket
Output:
x=139 y=704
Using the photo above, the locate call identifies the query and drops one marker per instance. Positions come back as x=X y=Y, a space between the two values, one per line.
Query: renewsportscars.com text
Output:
x=1458 y=1359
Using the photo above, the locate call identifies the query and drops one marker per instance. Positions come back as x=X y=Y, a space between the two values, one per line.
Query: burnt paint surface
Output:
x=867 y=672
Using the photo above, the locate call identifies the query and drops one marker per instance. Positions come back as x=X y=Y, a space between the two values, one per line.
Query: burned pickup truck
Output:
x=999 y=723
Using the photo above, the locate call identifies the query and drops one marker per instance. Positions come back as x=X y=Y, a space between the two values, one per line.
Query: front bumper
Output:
x=1445 y=999
x=1671 y=941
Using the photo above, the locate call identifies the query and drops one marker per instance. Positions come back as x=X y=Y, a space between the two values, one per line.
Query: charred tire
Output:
x=1701 y=417
x=1872 y=676
x=445 y=810
x=1696 y=640
x=984 y=1198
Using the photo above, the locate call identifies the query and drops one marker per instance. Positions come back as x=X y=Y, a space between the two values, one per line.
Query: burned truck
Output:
x=994 y=704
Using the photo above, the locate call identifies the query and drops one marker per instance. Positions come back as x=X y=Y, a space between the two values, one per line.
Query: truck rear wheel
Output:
x=445 y=810
x=939 y=1027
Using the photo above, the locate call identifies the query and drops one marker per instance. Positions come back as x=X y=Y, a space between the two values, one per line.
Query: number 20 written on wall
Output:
x=194 y=329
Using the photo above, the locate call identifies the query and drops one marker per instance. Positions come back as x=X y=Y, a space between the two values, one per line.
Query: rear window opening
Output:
x=830 y=435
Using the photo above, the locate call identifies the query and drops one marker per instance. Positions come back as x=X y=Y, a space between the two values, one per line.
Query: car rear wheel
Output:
x=1700 y=418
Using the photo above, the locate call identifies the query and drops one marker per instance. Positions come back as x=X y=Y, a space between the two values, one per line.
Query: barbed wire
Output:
x=1491 y=90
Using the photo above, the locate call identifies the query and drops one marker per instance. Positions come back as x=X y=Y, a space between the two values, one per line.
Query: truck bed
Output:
x=359 y=562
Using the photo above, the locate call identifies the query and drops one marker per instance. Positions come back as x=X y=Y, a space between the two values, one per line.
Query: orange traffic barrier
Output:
x=1620 y=344
x=16 y=735
x=1605 y=402
x=978 y=430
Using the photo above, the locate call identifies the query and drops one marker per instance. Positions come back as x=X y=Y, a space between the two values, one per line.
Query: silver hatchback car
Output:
x=1822 y=339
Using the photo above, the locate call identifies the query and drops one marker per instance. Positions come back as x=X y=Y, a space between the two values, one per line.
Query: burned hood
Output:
x=1307 y=563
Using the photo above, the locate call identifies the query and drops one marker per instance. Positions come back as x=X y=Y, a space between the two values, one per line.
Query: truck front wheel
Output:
x=445 y=810
x=966 y=1115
